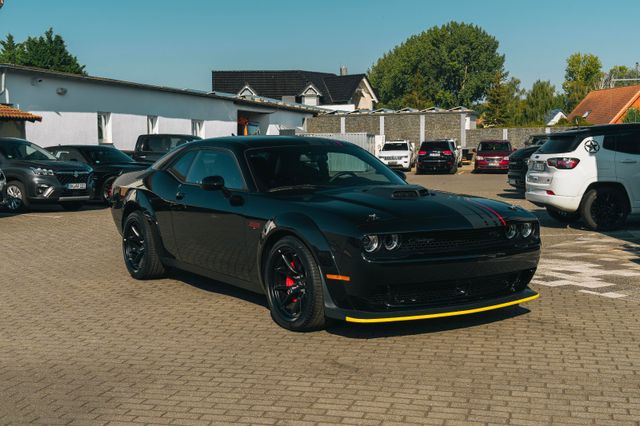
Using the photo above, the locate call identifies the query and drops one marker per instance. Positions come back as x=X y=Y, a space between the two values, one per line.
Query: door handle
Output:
x=628 y=161
x=179 y=195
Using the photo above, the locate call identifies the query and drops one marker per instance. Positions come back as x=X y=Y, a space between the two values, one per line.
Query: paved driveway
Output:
x=83 y=343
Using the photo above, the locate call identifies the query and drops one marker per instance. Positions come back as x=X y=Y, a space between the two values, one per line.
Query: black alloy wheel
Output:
x=604 y=208
x=294 y=286
x=16 y=196
x=139 y=248
x=562 y=216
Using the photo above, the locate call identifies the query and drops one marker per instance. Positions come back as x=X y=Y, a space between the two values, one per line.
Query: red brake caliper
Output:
x=289 y=282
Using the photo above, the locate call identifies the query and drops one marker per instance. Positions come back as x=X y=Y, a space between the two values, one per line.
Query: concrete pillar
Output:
x=381 y=132
x=422 y=130
x=505 y=134
x=463 y=130
x=343 y=125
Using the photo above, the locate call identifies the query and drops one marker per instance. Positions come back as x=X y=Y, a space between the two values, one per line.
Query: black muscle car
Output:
x=107 y=162
x=324 y=229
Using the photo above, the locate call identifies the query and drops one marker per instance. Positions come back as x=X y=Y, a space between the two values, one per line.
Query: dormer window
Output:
x=310 y=95
x=247 y=91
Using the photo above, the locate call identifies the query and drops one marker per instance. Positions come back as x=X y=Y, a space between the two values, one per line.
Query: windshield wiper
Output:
x=292 y=187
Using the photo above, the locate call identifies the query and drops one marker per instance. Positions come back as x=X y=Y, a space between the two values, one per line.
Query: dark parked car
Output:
x=3 y=183
x=325 y=230
x=519 y=159
x=493 y=155
x=149 y=148
x=107 y=162
x=437 y=156
x=34 y=176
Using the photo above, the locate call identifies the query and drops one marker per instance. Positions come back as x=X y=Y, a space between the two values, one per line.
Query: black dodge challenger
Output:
x=325 y=230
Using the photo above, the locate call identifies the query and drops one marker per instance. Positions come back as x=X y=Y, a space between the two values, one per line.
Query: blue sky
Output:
x=178 y=43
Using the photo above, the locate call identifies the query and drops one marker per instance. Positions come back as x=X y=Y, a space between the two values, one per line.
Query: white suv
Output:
x=3 y=183
x=397 y=154
x=591 y=173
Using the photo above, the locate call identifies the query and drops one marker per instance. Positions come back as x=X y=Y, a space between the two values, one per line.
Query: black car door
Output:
x=209 y=225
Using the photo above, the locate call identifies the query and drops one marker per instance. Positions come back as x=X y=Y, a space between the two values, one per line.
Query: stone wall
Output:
x=325 y=124
x=516 y=135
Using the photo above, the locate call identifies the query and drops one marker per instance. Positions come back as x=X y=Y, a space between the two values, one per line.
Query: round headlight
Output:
x=391 y=242
x=512 y=231
x=370 y=243
x=527 y=230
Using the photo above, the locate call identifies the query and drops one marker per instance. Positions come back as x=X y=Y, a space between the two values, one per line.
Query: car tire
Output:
x=140 y=248
x=106 y=189
x=453 y=170
x=604 y=208
x=290 y=271
x=562 y=216
x=16 y=194
x=72 y=206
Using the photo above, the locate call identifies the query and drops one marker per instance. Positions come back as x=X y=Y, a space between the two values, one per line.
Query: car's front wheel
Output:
x=562 y=216
x=16 y=196
x=604 y=208
x=139 y=248
x=107 y=189
x=294 y=286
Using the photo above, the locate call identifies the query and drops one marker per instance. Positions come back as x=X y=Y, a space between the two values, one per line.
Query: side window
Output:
x=157 y=144
x=629 y=143
x=216 y=163
x=180 y=168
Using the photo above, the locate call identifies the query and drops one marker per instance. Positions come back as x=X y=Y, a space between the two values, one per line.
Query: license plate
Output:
x=493 y=163
x=393 y=163
x=434 y=154
x=76 y=186
x=538 y=166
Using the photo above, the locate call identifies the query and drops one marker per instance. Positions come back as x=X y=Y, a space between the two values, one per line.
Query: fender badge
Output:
x=592 y=146
x=372 y=217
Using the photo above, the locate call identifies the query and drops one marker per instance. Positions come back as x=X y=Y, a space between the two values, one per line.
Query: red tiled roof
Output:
x=607 y=105
x=10 y=113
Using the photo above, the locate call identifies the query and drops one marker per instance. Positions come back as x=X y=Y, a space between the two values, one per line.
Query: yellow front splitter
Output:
x=444 y=314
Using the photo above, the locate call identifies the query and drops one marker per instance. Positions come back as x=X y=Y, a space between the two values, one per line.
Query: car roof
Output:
x=89 y=146
x=601 y=129
x=248 y=142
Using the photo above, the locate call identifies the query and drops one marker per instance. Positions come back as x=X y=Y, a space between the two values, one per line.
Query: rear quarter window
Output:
x=560 y=143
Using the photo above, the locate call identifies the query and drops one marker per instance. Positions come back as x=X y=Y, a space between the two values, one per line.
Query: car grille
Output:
x=419 y=245
x=492 y=159
x=395 y=157
x=445 y=292
x=74 y=177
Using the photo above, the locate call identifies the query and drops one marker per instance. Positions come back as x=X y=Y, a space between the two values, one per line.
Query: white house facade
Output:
x=90 y=110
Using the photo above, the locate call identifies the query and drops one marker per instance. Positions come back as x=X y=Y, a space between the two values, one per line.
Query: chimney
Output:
x=343 y=70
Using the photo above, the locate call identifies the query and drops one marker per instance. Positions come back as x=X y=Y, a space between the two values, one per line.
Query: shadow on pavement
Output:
x=51 y=208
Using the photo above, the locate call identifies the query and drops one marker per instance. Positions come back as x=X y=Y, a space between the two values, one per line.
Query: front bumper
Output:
x=359 y=316
x=48 y=190
x=499 y=167
x=404 y=163
x=435 y=165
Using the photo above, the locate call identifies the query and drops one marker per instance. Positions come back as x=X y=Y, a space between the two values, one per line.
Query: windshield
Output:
x=23 y=150
x=557 y=144
x=107 y=155
x=395 y=146
x=295 y=167
x=435 y=146
x=494 y=146
x=165 y=143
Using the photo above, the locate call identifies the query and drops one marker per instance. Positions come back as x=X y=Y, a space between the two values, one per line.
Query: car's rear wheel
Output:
x=453 y=170
x=139 y=248
x=294 y=286
x=16 y=196
x=72 y=206
x=562 y=216
x=604 y=208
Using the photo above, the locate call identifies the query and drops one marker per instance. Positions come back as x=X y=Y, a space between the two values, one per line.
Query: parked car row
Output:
x=71 y=175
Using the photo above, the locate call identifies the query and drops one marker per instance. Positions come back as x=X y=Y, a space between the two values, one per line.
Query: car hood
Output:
x=126 y=167
x=411 y=207
x=55 y=165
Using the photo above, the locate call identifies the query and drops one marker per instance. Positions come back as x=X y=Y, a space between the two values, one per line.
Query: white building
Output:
x=79 y=109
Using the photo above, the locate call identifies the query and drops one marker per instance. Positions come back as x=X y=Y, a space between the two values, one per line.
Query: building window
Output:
x=104 y=127
x=197 y=128
x=152 y=124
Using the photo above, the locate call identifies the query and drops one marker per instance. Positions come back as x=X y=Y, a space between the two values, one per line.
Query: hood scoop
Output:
x=400 y=193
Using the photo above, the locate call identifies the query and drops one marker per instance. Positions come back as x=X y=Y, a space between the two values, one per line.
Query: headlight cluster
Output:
x=38 y=171
x=372 y=243
x=525 y=230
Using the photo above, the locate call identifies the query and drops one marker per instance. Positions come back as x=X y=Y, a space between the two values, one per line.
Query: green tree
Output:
x=582 y=75
x=497 y=103
x=622 y=72
x=447 y=66
x=541 y=99
x=10 y=51
x=632 y=116
x=48 y=51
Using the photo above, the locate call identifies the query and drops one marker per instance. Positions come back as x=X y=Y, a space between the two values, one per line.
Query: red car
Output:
x=493 y=155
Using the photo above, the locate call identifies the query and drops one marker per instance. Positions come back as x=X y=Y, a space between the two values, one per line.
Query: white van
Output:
x=592 y=173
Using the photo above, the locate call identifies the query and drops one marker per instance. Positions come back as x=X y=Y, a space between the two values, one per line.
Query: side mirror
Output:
x=400 y=173
x=212 y=183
